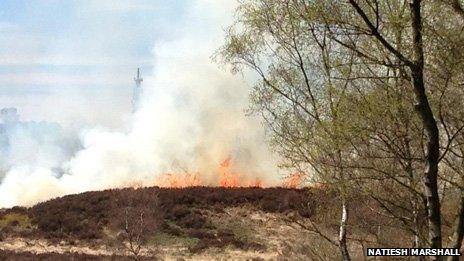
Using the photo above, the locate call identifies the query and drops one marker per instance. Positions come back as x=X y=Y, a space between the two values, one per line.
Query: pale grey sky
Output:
x=74 y=60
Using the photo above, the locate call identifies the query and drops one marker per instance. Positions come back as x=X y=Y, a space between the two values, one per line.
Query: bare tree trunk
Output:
x=430 y=179
x=418 y=241
x=342 y=235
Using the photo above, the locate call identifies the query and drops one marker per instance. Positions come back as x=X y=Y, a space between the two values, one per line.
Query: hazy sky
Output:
x=75 y=59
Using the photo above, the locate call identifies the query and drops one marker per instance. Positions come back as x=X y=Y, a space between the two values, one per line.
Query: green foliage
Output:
x=15 y=219
x=340 y=103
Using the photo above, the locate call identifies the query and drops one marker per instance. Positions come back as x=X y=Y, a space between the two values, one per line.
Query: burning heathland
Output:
x=218 y=130
x=177 y=130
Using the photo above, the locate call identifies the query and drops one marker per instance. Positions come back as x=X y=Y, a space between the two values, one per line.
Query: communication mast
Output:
x=137 y=92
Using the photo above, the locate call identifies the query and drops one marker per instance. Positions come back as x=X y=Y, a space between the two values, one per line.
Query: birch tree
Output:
x=354 y=93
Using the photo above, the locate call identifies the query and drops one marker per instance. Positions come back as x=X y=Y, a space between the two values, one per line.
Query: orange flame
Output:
x=227 y=178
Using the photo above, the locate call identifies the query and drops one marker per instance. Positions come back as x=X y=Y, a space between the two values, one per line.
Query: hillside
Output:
x=173 y=224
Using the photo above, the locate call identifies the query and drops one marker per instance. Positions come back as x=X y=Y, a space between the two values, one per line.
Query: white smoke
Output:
x=191 y=119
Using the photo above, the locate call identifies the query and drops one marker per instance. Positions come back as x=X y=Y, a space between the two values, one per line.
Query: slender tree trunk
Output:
x=430 y=179
x=342 y=235
x=417 y=228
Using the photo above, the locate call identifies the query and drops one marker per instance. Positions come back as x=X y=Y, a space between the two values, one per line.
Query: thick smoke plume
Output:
x=192 y=119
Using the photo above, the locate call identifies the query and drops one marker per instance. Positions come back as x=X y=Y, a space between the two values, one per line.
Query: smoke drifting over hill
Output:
x=191 y=120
